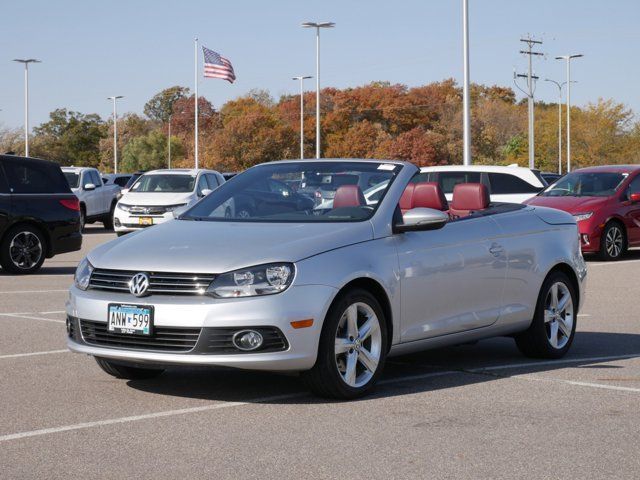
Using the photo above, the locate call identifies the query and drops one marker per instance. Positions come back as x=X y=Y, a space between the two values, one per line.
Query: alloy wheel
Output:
x=243 y=214
x=558 y=315
x=25 y=250
x=614 y=241
x=358 y=344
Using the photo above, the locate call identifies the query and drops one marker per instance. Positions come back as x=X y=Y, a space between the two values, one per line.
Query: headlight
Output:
x=83 y=274
x=124 y=207
x=248 y=282
x=171 y=208
x=582 y=216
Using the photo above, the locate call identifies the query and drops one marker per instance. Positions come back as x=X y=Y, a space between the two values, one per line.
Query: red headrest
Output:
x=348 y=196
x=470 y=196
x=405 y=200
x=429 y=195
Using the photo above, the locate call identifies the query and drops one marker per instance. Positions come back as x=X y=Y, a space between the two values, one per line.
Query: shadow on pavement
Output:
x=231 y=385
x=633 y=254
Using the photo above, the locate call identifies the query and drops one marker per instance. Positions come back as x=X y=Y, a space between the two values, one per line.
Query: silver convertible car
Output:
x=328 y=292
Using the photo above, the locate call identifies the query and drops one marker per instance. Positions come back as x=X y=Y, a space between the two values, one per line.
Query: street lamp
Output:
x=26 y=62
x=302 y=79
x=568 y=58
x=559 y=85
x=466 y=109
x=115 y=132
x=318 y=26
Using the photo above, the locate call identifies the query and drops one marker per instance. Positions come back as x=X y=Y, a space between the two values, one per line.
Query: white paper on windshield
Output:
x=386 y=166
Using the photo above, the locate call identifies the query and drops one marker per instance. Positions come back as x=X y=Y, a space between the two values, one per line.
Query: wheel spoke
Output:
x=352 y=321
x=369 y=327
x=564 y=301
x=368 y=360
x=554 y=334
x=350 y=373
x=564 y=328
x=548 y=316
x=554 y=296
x=342 y=345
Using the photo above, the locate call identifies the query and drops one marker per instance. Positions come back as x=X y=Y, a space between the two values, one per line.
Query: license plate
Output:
x=145 y=221
x=130 y=319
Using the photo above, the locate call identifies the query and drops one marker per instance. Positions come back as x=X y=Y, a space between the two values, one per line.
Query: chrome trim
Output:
x=166 y=283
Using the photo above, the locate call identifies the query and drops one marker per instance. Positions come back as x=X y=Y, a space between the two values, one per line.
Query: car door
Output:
x=5 y=201
x=88 y=196
x=452 y=279
x=100 y=193
x=631 y=211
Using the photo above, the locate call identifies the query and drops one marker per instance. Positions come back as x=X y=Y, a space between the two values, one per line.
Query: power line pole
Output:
x=531 y=79
x=466 y=109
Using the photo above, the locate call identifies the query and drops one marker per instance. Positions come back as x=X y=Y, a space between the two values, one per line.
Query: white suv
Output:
x=156 y=194
x=510 y=184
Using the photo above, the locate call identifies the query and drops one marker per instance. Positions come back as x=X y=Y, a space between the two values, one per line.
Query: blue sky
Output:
x=91 y=50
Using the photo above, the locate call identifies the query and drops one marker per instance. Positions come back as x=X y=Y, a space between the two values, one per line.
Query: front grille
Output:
x=149 y=210
x=219 y=340
x=162 y=339
x=159 y=282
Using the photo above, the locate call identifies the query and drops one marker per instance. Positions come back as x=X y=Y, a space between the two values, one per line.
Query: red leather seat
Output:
x=406 y=198
x=349 y=196
x=468 y=198
x=429 y=195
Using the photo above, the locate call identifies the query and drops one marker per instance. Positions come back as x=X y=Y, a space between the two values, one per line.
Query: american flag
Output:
x=216 y=66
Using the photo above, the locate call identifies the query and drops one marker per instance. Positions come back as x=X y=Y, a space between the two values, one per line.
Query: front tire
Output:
x=23 y=250
x=352 y=349
x=554 y=325
x=127 y=372
x=613 y=242
x=107 y=220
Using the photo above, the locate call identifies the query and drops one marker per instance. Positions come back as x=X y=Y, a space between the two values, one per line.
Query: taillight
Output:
x=71 y=204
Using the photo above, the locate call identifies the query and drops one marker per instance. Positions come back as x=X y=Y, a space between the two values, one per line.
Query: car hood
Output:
x=158 y=198
x=569 y=204
x=216 y=247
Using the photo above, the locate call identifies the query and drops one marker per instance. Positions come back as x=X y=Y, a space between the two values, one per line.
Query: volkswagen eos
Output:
x=330 y=292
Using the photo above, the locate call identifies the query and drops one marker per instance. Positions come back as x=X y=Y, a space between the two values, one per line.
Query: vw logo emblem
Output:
x=139 y=284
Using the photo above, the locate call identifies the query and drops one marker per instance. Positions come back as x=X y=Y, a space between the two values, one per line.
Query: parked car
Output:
x=506 y=184
x=39 y=215
x=97 y=200
x=131 y=181
x=322 y=186
x=269 y=197
x=551 y=178
x=229 y=175
x=329 y=295
x=120 y=179
x=155 y=195
x=605 y=201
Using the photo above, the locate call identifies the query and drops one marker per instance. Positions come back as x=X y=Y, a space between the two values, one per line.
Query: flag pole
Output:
x=196 y=98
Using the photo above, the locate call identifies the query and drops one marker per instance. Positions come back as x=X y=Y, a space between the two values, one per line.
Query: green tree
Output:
x=70 y=138
x=150 y=151
x=160 y=107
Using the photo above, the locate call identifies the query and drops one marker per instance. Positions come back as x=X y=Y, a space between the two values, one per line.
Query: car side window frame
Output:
x=198 y=180
x=4 y=182
x=634 y=187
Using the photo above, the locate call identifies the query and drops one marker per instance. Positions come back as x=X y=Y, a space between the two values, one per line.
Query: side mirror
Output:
x=634 y=197
x=205 y=192
x=89 y=186
x=421 y=219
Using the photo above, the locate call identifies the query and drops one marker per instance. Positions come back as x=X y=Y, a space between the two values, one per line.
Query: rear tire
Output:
x=553 y=328
x=352 y=349
x=107 y=220
x=22 y=250
x=127 y=372
x=613 y=242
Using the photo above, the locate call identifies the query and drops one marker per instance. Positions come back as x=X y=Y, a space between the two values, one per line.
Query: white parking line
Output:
x=33 y=354
x=554 y=362
x=9 y=292
x=32 y=313
x=605 y=264
x=32 y=318
x=580 y=384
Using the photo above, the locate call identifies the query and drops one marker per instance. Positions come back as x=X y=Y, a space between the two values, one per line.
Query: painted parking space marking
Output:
x=33 y=354
x=576 y=383
x=43 y=319
x=10 y=292
x=606 y=264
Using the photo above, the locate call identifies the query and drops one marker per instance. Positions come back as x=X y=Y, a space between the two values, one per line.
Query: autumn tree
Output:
x=161 y=105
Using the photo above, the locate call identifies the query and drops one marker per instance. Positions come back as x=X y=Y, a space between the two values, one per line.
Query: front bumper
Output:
x=297 y=303
x=127 y=222
x=590 y=234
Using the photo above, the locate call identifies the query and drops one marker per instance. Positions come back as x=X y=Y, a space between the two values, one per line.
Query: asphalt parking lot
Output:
x=473 y=411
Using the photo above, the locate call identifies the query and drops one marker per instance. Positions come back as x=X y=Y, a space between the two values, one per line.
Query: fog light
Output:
x=585 y=238
x=116 y=222
x=247 y=340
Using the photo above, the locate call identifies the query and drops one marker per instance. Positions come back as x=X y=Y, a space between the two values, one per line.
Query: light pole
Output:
x=466 y=109
x=302 y=79
x=559 y=85
x=567 y=59
x=115 y=132
x=169 y=141
x=318 y=26
x=26 y=62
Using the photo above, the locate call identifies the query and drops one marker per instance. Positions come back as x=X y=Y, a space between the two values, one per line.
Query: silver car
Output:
x=329 y=293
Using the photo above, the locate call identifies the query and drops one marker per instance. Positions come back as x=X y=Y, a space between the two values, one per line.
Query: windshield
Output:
x=264 y=194
x=586 y=184
x=73 y=179
x=163 y=183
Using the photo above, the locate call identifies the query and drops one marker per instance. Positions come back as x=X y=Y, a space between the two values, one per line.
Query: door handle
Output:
x=496 y=249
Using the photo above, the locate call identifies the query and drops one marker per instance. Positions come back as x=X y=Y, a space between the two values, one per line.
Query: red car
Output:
x=605 y=201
